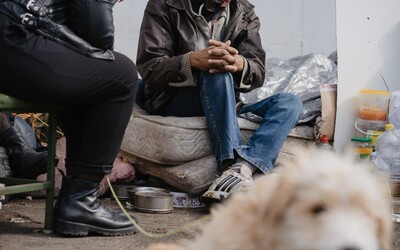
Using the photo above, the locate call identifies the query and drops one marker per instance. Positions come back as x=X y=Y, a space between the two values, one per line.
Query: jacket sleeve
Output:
x=248 y=43
x=157 y=62
x=93 y=21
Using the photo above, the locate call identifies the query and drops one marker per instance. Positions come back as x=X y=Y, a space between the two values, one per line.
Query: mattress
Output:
x=176 y=140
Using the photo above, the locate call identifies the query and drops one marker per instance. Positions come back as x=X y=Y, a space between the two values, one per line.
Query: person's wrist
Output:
x=240 y=62
x=192 y=59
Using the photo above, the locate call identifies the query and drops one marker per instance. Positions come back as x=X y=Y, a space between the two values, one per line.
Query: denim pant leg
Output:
x=218 y=100
x=280 y=113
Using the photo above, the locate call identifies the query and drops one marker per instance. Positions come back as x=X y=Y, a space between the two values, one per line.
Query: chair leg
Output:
x=48 y=227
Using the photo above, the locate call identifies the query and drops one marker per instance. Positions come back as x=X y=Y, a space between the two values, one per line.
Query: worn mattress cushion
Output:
x=174 y=141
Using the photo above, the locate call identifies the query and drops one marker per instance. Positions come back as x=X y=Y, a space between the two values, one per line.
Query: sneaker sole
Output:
x=211 y=197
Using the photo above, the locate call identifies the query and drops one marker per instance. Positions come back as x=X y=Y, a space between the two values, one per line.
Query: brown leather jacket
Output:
x=168 y=32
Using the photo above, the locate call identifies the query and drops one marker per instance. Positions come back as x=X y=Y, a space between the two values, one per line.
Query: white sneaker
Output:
x=229 y=182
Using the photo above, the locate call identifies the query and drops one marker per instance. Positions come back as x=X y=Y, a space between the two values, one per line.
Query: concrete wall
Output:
x=297 y=27
x=288 y=27
x=368 y=41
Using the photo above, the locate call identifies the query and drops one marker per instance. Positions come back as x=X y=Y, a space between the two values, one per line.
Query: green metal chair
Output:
x=16 y=185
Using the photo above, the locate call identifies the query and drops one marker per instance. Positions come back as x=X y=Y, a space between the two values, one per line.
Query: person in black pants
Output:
x=50 y=57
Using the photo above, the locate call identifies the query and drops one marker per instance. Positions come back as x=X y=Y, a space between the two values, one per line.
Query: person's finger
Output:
x=215 y=63
x=228 y=42
x=232 y=50
x=216 y=43
x=218 y=52
x=222 y=55
x=227 y=68
x=225 y=45
x=230 y=68
x=214 y=71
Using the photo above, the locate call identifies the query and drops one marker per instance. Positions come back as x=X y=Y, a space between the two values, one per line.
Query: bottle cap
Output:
x=389 y=126
x=324 y=139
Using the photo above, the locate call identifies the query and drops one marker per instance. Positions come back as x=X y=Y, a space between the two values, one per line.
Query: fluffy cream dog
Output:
x=320 y=201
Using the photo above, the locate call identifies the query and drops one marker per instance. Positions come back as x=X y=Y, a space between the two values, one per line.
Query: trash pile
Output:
x=378 y=137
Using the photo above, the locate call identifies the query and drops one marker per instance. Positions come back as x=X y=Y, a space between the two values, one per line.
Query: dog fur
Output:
x=320 y=201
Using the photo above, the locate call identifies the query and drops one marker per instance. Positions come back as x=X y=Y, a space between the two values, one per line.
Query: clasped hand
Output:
x=217 y=57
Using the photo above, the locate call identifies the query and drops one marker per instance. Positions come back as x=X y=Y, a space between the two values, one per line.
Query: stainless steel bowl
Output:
x=153 y=202
x=135 y=189
x=132 y=190
x=121 y=191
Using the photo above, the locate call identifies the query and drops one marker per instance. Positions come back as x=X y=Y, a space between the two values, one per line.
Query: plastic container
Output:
x=395 y=164
x=373 y=105
x=324 y=144
x=394 y=109
x=387 y=148
x=370 y=128
x=362 y=148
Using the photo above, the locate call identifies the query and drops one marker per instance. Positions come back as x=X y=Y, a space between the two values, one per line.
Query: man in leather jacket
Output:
x=195 y=57
x=60 y=52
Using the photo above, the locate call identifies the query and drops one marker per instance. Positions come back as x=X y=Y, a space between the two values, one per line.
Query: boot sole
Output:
x=79 y=229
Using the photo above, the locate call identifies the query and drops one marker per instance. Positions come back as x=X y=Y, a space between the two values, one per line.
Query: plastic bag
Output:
x=27 y=132
x=394 y=109
x=301 y=76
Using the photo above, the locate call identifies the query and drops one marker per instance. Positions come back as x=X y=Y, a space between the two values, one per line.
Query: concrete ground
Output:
x=22 y=221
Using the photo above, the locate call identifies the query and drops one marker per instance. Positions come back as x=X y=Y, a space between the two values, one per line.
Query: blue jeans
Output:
x=214 y=97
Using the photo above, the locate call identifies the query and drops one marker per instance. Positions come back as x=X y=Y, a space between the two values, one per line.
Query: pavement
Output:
x=22 y=221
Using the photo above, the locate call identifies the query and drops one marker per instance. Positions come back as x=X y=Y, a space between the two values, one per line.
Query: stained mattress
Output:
x=174 y=141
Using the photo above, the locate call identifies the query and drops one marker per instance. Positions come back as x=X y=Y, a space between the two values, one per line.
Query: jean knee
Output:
x=291 y=102
x=220 y=82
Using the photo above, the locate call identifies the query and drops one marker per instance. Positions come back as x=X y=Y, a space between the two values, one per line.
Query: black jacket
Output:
x=84 y=26
x=168 y=32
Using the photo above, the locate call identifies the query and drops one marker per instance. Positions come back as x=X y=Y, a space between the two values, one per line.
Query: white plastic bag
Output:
x=394 y=109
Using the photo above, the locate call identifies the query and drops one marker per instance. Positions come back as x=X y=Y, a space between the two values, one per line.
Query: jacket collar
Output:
x=184 y=4
x=178 y=4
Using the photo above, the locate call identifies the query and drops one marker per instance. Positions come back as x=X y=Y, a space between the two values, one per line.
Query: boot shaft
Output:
x=79 y=211
x=14 y=141
x=75 y=193
x=24 y=160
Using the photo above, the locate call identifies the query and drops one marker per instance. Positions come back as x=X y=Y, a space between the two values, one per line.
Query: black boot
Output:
x=78 y=211
x=25 y=162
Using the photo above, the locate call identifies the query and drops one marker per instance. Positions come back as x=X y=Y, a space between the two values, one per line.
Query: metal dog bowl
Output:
x=132 y=190
x=135 y=189
x=121 y=191
x=153 y=202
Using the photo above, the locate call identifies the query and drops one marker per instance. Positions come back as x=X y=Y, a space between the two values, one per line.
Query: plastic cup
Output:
x=373 y=104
